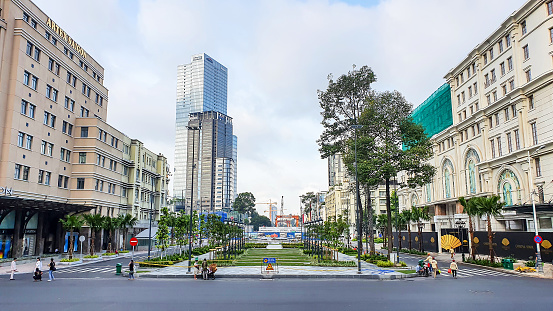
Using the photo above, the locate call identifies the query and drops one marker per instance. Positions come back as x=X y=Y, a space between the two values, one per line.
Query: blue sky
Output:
x=278 y=54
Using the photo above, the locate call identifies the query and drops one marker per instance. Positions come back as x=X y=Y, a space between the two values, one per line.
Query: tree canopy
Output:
x=244 y=203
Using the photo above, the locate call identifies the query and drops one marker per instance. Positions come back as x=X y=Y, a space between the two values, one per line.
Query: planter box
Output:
x=92 y=259
x=69 y=263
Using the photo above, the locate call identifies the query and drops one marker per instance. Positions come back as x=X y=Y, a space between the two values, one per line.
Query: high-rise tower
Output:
x=201 y=87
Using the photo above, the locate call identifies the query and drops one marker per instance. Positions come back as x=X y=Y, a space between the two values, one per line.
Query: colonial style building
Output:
x=57 y=154
x=499 y=139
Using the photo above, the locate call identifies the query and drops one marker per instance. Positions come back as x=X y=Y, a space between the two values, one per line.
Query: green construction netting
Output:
x=434 y=114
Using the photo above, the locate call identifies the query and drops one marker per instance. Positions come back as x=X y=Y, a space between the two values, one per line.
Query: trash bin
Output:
x=118 y=269
x=507 y=263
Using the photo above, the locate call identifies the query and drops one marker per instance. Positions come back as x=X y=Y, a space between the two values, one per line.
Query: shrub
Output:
x=530 y=263
x=124 y=252
x=91 y=256
x=374 y=258
x=484 y=262
x=255 y=245
x=387 y=263
x=109 y=254
x=69 y=260
x=332 y=263
x=378 y=240
x=292 y=245
x=402 y=264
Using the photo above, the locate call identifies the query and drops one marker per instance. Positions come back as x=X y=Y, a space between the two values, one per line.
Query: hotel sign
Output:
x=57 y=29
x=6 y=191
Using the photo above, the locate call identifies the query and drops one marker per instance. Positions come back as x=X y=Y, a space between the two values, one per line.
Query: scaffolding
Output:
x=435 y=113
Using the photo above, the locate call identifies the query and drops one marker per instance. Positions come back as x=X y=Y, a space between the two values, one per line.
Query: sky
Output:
x=278 y=54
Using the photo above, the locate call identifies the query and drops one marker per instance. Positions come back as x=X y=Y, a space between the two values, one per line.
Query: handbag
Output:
x=439 y=272
x=448 y=270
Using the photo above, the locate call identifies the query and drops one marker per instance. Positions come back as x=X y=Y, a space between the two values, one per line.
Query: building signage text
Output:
x=66 y=37
x=6 y=191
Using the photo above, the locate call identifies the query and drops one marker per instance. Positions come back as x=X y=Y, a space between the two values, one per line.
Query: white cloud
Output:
x=278 y=54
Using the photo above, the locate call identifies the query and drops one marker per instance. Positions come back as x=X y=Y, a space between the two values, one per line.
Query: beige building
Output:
x=57 y=154
x=500 y=142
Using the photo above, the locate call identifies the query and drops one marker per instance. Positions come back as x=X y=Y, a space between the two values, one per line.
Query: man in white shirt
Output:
x=38 y=264
x=13 y=268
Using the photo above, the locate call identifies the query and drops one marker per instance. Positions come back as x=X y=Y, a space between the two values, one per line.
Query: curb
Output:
x=286 y=276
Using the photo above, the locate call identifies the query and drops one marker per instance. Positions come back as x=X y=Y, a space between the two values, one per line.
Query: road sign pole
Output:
x=132 y=255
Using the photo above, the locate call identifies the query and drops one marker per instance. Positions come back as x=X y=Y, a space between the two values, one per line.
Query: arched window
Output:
x=471 y=170
x=508 y=187
x=414 y=199
x=447 y=173
x=428 y=192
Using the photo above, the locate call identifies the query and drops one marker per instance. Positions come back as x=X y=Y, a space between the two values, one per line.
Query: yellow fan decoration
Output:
x=449 y=241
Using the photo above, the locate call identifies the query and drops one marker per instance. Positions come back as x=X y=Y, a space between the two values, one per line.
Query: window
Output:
x=82 y=157
x=508 y=40
x=40 y=176
x=474 y=68
x=475 y=89
x=470 y=91
x=493 y=75
x=499 y=149
x=49 y=119
x=65 y=155
x=478 y=128
x=526 y=52
x=34 y=83
x=538 y=167
x=33 y=23
x=500 y=46
x=460 y=118
x=549 y=7
x=528 y=75
x=37 y=54
x=80 y=183
x=507 y=114
x=487 y=79
x=57 y=69
x=29 y=142
x=534 y=133
x=492 y=144
x=504 y=89
x=21 y=172
x=468 y=72
x=517 y=139
x=511 y=85
x=74 y=83
x=46 y=148
x=491 y=122
x=485 y=59
x=26 y=75
x=84 y=131
x=20 y=139
x=47 y=176
x=551 y=35
x=29 y=49
x=494 y=94
x=488 y=99
x=51 y=93
x=44 y=177
x=462 y=78
x=125 y=170
x=531 y=102
x=17 y=173
x=84 y=112
x=28 y=109
x=83 y=90
x=69 y=104
x=65 y=50
x=50 y=64
x=514 y=110
x=510 y=63
x=476 y=106
x=67 y=128
x=509 y=143
x=491 y=53
x=458 y=100
x=71 y=55
x=502 y=68
x=463 y=96
x=26 y=17
x=523 y=26
x=497 y=119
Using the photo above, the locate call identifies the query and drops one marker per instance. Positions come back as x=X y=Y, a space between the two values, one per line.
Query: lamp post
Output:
x=460 y=226
x=191 y=128
x=358 y=209
x=531 y=188
x=150 y=227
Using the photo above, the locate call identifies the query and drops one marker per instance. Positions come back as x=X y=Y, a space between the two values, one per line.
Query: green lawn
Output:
x=285 y=257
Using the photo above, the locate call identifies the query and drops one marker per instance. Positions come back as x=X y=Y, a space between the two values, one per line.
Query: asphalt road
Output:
x=443 y=293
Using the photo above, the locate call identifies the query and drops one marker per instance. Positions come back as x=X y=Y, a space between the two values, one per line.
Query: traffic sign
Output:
x=82 y=238
x=133 y=241
x=269 y=267
x=538 y=239
x=269 y=260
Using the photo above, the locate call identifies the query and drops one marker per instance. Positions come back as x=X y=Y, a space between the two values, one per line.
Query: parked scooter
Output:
x=423 y=269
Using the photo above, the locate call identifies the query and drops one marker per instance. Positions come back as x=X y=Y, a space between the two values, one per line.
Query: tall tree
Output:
x=72 y=223
x=95 y=222
x=110 y=224
x=408 y=217
x=470 y=207
x=125 y=222
x=244 y=203
x=395 y=143
x=308 y=200
x=162 y=234
x=420 y=214
x=490 y=206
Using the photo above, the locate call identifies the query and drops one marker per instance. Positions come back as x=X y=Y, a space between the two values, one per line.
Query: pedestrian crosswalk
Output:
x=85 y=269
x=465 y=273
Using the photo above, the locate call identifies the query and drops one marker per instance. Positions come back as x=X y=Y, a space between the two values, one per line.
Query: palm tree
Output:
x=125 y=222
x=110 y=224
x=399 y=222
x=382 y=223
x=471 y=208
x=490 y=206
x=420 y=214
x=71 y=223
x=95 y=222
x=408 y=217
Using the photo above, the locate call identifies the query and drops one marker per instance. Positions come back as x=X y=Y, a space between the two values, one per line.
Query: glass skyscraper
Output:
x=201 y=87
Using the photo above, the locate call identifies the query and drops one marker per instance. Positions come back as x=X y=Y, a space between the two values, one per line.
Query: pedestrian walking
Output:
x=38 y=264
x=13 y=268
x=51 y=269
x=131 y=270
x=196 y=268
x=452 y=252
x=204 y=269
x=434 y=265
x=453 y=266
x=429 y=259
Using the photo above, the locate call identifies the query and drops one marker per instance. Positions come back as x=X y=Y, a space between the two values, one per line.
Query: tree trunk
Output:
x=70 y=244
x=472 y=246
x=409 y=233
x=389 y=214
x=399 y=238
x=371 y=226
x=490 y=238
x=420 y=237
x=92 y=238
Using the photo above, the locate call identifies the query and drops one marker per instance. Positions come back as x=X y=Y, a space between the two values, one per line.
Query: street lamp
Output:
x=192 y=128
x=359 y=241
x=460 y=226
x=150 y=228
x=531 y=188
